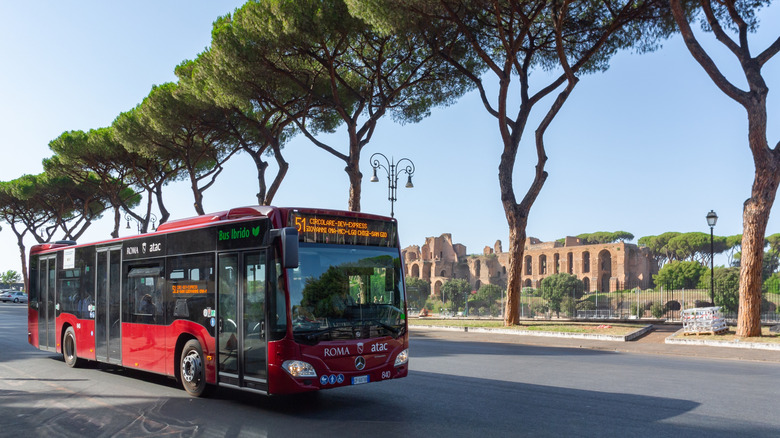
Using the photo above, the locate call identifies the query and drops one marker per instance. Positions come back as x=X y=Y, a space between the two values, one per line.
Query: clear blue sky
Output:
x=649 y=146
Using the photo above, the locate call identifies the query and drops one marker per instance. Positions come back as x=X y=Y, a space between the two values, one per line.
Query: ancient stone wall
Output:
x=602 y=267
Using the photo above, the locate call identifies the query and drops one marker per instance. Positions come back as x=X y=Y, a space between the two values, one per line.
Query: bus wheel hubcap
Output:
x=190 y=367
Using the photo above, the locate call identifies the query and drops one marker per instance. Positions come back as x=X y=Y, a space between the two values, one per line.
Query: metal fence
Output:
x=635 y=303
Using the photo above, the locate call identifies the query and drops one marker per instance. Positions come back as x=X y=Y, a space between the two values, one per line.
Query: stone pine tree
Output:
x=173 y=124
x=350 y=75
x=731 y=23
x=44 y=205
x=511 y=39
x=96 y=157
x=19 y=209
x=147 y=173
x=264 y=110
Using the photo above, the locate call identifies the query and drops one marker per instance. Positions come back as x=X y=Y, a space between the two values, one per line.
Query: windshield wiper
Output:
x=392 y=329
x=311 y=335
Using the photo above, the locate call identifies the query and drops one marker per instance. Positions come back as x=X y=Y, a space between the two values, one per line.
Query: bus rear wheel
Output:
x=192 y=369
x=69 y=348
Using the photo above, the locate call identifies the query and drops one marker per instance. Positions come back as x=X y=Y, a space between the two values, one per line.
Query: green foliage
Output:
x=771 y=284
x=638 y=310
x=605 y=237
x=657 y=310
x=673 y=246
x=657 y=245
x=174 y=125
x=733 y=241
x=455 y=292
x=530 y=292
x=433 y=305
x=489 y=293
x=487 y=296
x=727 y=289
x=417 y=291
x=679 y=275
x=733 y=246
x=538 y=308
x=569 y=306
x=559 y=286
x=10 y=277
x=325 y=297
x=345 y=71
x=97 y=160
x=771 y=263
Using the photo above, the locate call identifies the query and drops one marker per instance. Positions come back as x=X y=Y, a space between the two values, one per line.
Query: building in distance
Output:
x=606 y=267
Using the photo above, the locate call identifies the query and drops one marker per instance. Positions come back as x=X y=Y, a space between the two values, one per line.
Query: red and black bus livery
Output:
x=264 y=299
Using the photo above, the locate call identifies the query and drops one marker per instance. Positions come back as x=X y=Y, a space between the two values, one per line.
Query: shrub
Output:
x=642 y=308
x=657 y=310
x=538 y=308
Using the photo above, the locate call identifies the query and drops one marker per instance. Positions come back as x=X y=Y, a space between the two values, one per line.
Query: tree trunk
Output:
x=23 y=256
x=755 y=214
x=164 y=213
x=198 y=195
x=277 y=182
x=514 y=274
x=261 y=166
x=355 y=180
x=755 y=217
x=117 y=221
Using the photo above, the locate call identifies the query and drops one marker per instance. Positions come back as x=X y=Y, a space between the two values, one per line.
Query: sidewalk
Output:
x=651 y=343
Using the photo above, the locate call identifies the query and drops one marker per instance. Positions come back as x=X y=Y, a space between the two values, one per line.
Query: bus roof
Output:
x=278 y=216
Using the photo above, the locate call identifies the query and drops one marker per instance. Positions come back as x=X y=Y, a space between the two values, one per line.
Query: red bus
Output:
x=263 y=299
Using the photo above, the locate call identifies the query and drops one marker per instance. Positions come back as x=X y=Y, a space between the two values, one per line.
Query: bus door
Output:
x=46 y=304
x=241 y=311
x=108 y=333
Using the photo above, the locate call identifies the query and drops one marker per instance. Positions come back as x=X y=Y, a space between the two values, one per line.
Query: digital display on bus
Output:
x=319 y=228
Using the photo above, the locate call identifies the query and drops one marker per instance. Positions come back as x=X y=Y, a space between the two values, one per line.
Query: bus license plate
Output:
x=360 y=380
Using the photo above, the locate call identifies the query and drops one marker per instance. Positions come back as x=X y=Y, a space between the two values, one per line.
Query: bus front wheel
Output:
x=69 y=348
x=192 y=369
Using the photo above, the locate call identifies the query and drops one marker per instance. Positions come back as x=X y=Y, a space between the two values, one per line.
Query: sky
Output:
x=649 y=146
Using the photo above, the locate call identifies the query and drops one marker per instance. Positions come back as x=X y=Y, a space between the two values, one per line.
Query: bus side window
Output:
x=144 y=296
x=278 y=306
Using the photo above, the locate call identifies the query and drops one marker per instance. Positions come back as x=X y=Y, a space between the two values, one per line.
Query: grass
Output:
x=767 y=337
x=618 y=329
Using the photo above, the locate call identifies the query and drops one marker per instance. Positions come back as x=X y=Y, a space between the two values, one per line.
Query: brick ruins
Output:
x=601 y=267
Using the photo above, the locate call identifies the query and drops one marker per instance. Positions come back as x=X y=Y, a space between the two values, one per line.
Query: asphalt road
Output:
x=458 y=386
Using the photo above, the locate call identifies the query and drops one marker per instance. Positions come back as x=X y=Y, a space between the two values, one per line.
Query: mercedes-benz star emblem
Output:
x=360 y=362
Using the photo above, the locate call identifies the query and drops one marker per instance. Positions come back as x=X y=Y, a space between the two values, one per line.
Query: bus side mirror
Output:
x=289 y=236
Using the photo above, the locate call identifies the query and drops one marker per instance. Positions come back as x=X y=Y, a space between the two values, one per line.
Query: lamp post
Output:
x=712 y=219
x=393 y=169
x=138 y=223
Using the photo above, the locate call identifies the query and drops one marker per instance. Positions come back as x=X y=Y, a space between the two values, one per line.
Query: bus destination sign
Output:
x=319 y=228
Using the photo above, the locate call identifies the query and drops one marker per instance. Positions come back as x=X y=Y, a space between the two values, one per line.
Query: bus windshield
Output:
x=346 y=292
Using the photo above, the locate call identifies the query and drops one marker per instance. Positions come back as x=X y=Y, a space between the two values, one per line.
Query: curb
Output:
x=730 y=344
x=614 y=338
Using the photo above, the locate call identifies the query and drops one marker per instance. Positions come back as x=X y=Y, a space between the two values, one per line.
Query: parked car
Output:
x=13 y=295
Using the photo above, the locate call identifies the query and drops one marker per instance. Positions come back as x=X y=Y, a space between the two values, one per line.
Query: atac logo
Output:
x=360 y=347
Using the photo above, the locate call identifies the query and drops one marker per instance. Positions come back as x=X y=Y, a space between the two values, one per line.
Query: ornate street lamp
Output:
x=152 y=217
x=712 y=219
x=393 y=169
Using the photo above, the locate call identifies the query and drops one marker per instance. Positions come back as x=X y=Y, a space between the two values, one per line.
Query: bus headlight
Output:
x=402 y=357
x=298 y=368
